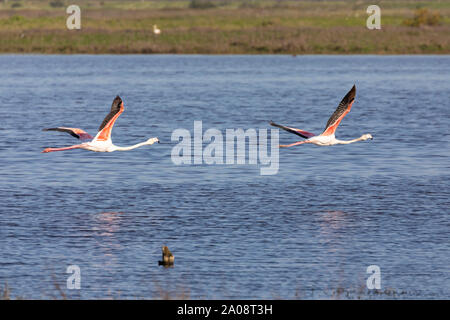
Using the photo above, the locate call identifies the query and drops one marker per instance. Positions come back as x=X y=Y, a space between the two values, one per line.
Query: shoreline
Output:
x=231 y=54
x=305 y=28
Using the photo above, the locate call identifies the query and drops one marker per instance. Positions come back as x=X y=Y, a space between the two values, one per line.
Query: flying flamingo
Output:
x=102 y=141
x=327 y=138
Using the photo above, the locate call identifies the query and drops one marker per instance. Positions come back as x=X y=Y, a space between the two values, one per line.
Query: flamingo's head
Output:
x=367 y=136
x=152 y=140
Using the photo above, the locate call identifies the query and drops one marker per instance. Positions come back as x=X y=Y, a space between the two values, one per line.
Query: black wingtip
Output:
x=350 y=96
x=116 y=103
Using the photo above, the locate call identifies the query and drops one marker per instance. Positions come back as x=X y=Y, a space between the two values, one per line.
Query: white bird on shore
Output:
x=156 y=30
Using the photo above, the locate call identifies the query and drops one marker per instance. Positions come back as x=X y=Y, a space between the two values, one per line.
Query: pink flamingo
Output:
x=327 y=138
x=102 y=141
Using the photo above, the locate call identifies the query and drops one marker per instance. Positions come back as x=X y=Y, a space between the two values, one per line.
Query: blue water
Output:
x=310 y=231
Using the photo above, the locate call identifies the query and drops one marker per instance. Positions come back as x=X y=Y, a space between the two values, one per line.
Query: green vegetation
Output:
x=226 y=26
x=56 y=4
x=201 y=4
x=424 y=17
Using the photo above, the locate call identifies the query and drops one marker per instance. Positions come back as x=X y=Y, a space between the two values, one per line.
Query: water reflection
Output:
x=332 y=226
x=105 y=228
x=332 y=222
x=108 y=223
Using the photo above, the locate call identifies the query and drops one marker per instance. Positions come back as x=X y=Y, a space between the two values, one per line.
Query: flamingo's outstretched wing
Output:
x=74 y=132
x=104 y=131
x=341 y=111
x=301 y=133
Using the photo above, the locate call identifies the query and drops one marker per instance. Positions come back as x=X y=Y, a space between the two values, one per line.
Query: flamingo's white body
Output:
x=102 y=141
x=156 y=30
x=327 y=137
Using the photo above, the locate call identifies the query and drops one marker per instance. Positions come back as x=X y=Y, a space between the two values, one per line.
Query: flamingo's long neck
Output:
x=349 y=141
x=117 y=148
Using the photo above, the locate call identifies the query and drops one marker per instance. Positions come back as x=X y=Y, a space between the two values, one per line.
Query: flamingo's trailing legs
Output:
x=102 y=141
x=327 y=138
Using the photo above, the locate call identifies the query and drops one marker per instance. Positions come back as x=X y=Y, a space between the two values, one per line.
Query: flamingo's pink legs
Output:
x=292 y=144
x=77 y=146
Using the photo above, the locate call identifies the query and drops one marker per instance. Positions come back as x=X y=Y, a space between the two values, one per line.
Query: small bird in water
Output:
x=167 y=257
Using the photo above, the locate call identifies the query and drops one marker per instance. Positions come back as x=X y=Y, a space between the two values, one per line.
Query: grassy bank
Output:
x=227 y=27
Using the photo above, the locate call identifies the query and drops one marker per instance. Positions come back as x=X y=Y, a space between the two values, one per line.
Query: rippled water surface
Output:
x=309 y=231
